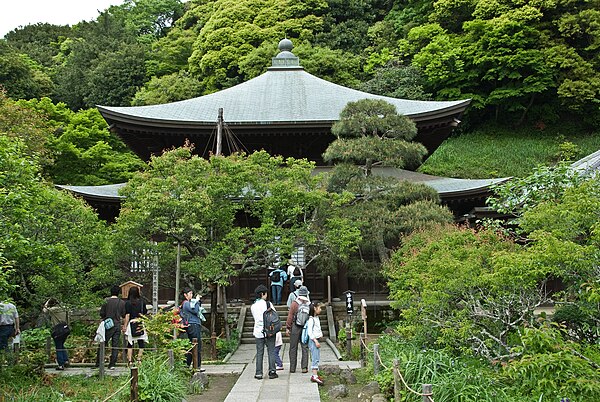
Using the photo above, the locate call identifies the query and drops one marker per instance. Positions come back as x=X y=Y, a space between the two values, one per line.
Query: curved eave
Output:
x=107 y=193
x=277 y=97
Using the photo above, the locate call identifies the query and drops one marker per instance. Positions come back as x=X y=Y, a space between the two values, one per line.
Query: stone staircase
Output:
x=282 y=310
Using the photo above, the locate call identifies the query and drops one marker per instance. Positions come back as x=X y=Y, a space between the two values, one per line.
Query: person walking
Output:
x=293 y=295
x=294 y=272
x=9 y=324
x=278 y=277
x=297 y=317
x=313 y=326
x=58 y=315
x=132 y=326
x=112 y=313
x=190 y=316
x=258 y=309
x=278 y=345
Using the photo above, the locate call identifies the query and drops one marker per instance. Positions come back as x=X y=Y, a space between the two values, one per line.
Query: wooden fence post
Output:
x=124 y=349
x=49 y=349
x=376 y=358
x=213 y=346
x=195 y=353
x=101 y=352
x=171 y=358
x=427 y=393
x=396 y=381
x=348 y=341
x=363 y=350
x=134 y=385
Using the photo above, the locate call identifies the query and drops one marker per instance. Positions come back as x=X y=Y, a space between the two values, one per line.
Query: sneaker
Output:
x=279 y=367
x=60 y=368
x=305 y=371
x=258 y=376
x=111 y=367
x=317 y=379
x=273 y=375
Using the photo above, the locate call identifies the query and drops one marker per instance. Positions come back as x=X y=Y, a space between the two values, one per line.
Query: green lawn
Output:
x=493 y=151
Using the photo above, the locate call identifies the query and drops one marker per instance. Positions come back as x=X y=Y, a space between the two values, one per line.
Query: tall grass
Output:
x=454 y=378
x=494 y=151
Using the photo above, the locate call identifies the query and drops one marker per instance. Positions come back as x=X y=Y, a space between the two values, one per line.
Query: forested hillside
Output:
x=525 y=65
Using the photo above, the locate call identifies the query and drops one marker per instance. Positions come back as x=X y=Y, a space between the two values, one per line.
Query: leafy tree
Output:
x=511 y=59
x=149 y=19
x=83 y=150
x=235 y=28
x=56 y=243
x=21 y=76
x=168 y=88
x=397 y=81
x=371 y=133
x=39 y=41
x=232 y=214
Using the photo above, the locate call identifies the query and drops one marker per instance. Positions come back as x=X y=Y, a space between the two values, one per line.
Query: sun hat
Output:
x=303 y=291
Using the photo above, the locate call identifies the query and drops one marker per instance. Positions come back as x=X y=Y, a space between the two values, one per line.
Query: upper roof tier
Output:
x=284 y=94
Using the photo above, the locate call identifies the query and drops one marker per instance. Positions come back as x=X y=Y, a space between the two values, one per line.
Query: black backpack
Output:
x=271 y=321
x=276 y=276
x=297 y=271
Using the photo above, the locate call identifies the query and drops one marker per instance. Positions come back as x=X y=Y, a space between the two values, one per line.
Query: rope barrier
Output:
x=117 y=391
x=429 y=396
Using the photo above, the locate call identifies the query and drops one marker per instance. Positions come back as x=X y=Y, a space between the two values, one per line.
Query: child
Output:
x=278 y=344
x=314 y=334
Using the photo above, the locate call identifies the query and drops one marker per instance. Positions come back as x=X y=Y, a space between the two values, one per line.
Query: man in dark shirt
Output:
x=113 y=308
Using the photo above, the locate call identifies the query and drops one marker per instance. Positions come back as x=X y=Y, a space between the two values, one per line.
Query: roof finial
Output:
x=285 y=45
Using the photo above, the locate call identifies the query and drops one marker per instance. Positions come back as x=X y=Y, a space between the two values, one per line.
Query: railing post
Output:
x=396 y=381
x=195 y=353
x=49 y=349
x=348 y=341
x=427 y=393
x=213 y=346
x=101 y=352
x=133 y=396
x=171 y=358
x=363 y=351
x=376 y=358
x=124 y=348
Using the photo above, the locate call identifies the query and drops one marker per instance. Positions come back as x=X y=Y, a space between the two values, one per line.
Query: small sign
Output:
x=349 y=302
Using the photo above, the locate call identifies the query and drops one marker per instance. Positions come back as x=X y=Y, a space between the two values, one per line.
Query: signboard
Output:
x=349 y=302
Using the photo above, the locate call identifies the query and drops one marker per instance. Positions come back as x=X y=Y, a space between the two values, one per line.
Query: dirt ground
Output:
x=218 y=389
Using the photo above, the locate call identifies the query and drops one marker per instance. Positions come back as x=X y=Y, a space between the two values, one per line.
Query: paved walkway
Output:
x=247 y=388
x=284 y=388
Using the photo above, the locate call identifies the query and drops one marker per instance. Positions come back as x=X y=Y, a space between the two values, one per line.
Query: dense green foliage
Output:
x=475 y=292
x=72 y=147
x=518 y=61
x=55 y=242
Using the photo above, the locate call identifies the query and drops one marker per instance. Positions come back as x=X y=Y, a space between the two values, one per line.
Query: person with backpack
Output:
x=266 y=326
x=313 y=334
x=293 y=295
x=294 y=272
x=278 y=277
x=59 y=319
x=112 y=312
x=191 y=318
x=133 y=327
x=297 y=317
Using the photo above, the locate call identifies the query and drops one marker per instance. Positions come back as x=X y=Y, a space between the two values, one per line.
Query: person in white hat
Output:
x=293 y=295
